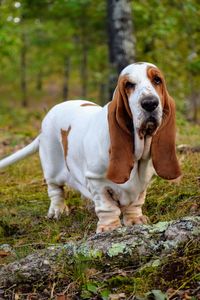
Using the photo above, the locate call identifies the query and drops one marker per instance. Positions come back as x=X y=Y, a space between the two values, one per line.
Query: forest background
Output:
x=55 y=50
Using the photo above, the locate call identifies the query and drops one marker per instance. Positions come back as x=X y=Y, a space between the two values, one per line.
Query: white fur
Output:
x=88 y=156
x=137 y=73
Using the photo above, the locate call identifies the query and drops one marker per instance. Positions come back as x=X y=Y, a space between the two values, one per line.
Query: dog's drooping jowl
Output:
x=109 y=153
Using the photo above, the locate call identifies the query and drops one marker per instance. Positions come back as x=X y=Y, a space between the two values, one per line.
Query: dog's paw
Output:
x=55 y=211
x=131 y=220
x=108 y=227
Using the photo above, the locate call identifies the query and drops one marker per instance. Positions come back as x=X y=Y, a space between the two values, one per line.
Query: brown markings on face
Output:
x=129 y=85
x=64 y=137
x=157 y=79
x=89 y=104
x=163 y=147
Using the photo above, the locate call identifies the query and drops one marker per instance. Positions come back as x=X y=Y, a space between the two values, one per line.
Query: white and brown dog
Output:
x=109 y=153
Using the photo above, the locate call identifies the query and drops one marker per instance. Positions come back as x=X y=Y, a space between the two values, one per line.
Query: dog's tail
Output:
x=26 y=151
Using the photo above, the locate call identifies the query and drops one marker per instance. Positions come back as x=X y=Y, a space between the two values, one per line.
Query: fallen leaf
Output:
x=4 y=253
x=63 y=297
x=120 y=296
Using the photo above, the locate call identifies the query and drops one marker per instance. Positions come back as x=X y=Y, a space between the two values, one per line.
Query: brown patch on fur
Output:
x=120 y=122
x=64 y=137
x=89 y=104
x=163 y=148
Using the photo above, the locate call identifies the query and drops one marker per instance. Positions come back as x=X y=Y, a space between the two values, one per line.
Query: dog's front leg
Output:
x=132 y=213
x=106 y=207
x=108 y=214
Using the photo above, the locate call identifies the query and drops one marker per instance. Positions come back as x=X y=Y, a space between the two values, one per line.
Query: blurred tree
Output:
x=67 y=64
x=120 y=36
x=23 y=70
x=67 y=47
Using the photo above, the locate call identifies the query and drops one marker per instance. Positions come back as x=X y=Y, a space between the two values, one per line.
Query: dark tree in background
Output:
x=120 y=37
x=23 y=70
x=66 y=77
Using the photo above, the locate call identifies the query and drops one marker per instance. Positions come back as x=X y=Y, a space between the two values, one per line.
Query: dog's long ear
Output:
x=163 y=148
x=120 y=122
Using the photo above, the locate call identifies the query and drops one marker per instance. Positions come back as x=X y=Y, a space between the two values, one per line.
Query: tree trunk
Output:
x=183 y=149
x=120 y=37
x=194 y=99
x=84 y=69
x=39 y=80
x=23 y=71
x=103 y=91
x=133 y=247
x=66 y=77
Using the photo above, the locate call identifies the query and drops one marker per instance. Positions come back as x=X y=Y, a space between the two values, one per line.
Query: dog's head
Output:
x=141 y=109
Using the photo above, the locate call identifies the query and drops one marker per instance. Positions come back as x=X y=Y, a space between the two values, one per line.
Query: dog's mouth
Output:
x=148 y=127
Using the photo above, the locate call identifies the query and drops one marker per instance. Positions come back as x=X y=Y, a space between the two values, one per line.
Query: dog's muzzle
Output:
x=148 y=127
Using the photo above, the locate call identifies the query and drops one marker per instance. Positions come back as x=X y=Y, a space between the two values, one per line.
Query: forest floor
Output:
x=25 y=229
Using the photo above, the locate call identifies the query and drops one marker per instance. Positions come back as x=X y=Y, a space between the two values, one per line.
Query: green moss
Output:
x=116 y=249
x=181 y=268
x=24 y=205
x=159 y=227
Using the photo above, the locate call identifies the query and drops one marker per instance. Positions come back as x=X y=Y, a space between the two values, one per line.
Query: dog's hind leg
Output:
x=55 y=174
x=57 y=206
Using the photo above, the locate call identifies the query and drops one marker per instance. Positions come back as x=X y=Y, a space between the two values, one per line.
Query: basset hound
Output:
x=109 y=153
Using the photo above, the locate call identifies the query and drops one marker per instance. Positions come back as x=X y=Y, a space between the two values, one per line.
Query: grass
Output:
x=24 y=204
x=167 y=200
x=23 y=207
x=23 y=193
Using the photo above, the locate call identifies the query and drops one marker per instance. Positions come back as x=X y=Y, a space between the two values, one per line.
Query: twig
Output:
x=52 y=290
x=35 y=244
x=12 y=286
x=182 y=286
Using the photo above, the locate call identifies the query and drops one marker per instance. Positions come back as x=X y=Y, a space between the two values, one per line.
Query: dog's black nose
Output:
x=149 y=103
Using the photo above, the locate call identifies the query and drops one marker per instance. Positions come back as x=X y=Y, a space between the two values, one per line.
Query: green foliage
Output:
x=156 y=295
x=166 y=38
x=53 y=32
x=57 y=30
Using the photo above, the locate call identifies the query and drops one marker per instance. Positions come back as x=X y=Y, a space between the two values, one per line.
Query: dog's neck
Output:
x=147 y=147
x=142 y=146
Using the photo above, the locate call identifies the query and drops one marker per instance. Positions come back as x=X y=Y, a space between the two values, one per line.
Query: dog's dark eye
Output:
x=157 y=80
x=130 y=85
